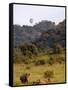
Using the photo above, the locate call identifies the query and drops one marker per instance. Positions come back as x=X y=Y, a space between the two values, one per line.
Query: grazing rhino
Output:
x=24 y=78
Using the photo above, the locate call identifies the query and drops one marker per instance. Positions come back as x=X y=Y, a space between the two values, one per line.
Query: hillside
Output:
x=45 y=35
x=30 y=33
x=53 y=36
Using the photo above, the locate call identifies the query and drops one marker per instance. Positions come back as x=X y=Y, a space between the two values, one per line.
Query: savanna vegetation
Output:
x=39 y=54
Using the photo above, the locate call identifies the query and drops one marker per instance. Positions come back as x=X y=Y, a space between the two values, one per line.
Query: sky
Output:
x=23 y=13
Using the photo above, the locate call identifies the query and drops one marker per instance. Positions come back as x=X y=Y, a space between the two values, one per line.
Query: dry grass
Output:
x=36 y=72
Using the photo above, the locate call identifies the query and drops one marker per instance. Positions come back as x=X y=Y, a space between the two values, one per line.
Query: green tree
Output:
x=18 y=57
x=27 y=48
x=57 y=48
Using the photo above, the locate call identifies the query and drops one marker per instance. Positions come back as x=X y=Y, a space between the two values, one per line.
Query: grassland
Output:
x=36 y=72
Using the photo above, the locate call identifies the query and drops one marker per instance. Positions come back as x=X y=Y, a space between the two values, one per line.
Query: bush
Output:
x=40 y=62
x=18 y=57
x=51 y=61
x=48 y=74
x=29 y=48
x=27 y=67
x=60 y=60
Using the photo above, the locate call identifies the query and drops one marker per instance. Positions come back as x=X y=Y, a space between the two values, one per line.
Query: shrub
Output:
x=17 y=56
x=29 y=48
x=48 y=74
x=27 y=67
x=51 y=61
x=60 y=60
x=40 y=62
x=28 y=54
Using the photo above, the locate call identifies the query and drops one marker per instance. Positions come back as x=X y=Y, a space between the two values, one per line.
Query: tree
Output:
x=18 y=57
x=57 y=48
x=29 y=48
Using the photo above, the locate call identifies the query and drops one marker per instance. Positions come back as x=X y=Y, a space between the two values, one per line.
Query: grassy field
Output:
x=36 y=72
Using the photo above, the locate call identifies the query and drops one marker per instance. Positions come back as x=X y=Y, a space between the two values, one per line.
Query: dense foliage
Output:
x=44 y=37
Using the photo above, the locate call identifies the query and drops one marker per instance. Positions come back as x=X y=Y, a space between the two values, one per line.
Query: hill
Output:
x=30 y=33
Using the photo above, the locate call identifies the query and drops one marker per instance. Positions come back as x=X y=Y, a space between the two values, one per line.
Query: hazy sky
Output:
x=23 y=13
